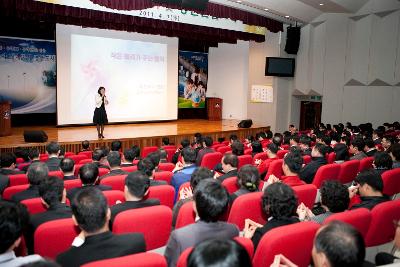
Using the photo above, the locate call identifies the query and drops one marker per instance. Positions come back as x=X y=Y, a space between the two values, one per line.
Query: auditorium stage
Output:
x=142 y=134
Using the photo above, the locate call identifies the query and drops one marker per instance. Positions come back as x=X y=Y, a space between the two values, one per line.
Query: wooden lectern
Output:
x=5 y=118
x=214 y=108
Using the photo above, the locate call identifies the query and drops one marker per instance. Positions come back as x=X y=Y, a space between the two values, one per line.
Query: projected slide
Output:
x=134 y=72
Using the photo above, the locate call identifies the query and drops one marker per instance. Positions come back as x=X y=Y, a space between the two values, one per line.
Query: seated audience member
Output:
x=377 y=137
x=53 y=163
x=67 y=166
x=219 y=253
x=229 y=164
x=114 y=159
x=13 y=220
x=199 y=174
x=369 y=148
x=382 y=162
x=341 y=153
x=294 y=140
x=334 y=199
x=183 y=171
x=292 y=163
x=248 y=140
x=232 y=138
x=136 y=188
x=383 y=258
x=279 y=203
x=259 y=137
x=292 y=129
x=34 y=156
x=304 y=144
x=277 y=140
x=53 y=196
x=61 y=155
x=147 y=167
x=89 y=175
x=345 y=140
x=395 y=154
x=263 y=166
x=116 y=145
x=197 y=142
x=165 y=141
x=37 y=172
x=387 y=142
x=98 y=158
x=211 y=201
x=85 y=146
x=207 y=143
x=155 y=159
x=308 y=172
x=237 y=148
x=326 y=140
x=338 y=245
x=369 y=187
x=128 y=158
x=8 y=163
x=256 y=148
x=163 y=155
x=92 y=215
x=184 y=144
x=248 y=180
x=136 y=151
x=22 y=152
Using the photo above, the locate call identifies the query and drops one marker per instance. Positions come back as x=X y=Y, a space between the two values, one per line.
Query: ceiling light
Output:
x=287 y=16
x=321 y=4
x=266 y=9
x=238 y=1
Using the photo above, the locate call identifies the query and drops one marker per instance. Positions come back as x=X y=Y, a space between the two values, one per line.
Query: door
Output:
x=310 y=114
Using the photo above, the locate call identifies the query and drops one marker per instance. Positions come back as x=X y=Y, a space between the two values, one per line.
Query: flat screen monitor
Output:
x=279 y=66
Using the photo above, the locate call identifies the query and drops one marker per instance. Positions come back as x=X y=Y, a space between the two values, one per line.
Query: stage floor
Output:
x=127 y=131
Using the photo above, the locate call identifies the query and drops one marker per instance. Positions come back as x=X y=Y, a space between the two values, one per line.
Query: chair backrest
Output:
x=209 y=160
x=60 y=232
x=88 y=154
x=306 y=194
x=215 y=146
x=77 y=168
x=103 y=171
x=68 y=184
x=77 y=158
x=358 y=218
x=306 y=159
x=281 y=153
x=224 y=149
x=34 y=205
x=247 y=206
x=244 y=159
x=116 y=182
x=148 y=149
x=169 y=146
x=84 y=161
x=186 y=215
x=381 y=230
x=113 y=196
x=231 y=184
x=331 y=157
x=248 y=151
x=275 y=168
x=326 y=172
x=348 y=171
x=260 y=156
x=145 y=259
x=183 y=258
x=170 y=153
x=366 y=163
x=163 y=176
x=164 y=193
x=155 y=223
x=391 y=182
x=58 y=174
x=43 y=157
x=129 y=168
x=295 y=241
x=10 y=191
x=18 y=179
x=168 y=167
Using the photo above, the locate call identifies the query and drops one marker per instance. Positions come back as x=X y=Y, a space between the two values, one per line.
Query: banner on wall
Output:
x=28 y=75
x=192 y=79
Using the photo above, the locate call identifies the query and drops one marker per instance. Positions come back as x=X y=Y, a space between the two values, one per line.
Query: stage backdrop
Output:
x=28 y=75
x=193 y=74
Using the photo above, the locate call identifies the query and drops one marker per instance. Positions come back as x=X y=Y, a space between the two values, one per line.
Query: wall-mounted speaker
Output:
x=292 y=40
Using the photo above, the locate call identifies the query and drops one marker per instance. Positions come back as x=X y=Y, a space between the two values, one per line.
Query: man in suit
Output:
x=211 y=201
x=229 y=165
x=129 y=157
x=97 y=157
x=207 y=143
x=92 y=215
x=357 y=146
x=136 y=188
x=89 y=175
x=67 y=166
x=305 y=143
x=114 y=159
x=370 y=148
x=308 y=172
x=116 y=145
x=34 y=156
x=37 y=172
x=183 y=171
x=147 y=167
x=53 y=150
x=8 y=163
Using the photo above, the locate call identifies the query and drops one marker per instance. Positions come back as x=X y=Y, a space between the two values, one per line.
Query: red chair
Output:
x=116 y=182
x=10 y=191
x=43 y=157
x=275 y=168
x=20 y=160
x=77 y=158
x=168 y=167
x=331 y=157
x=58 y=174
x=164 y=193
x=381 y=229
x=366 y=164
x=169 y=147
x=113 y=196
x=88 y=154
x=163 y=176
x=84 y=161
x=348 y=171
x=148 y=149
x=18 y=179
x=248 y=151
x=224 y=149
x=295 y=241
x=260 y=156
x=170 y=153
x=285 y=147
x=182 y=260
x=77 y=168
x=358 y=218
x=34 y=205
x=391 y=182
x=326 y=172
x=103 y=171
x=244 y=160
x=153 y=222
x=186 y=215
x=69 y=153
x=216 y=146
x=306 y=194
x=69 y=184
x=230 y=184
x=209 y=160
x=247 y=206
x=281 y=153
x=60 y=232
x=145 y=259
x=129 y=168
x=21 y=166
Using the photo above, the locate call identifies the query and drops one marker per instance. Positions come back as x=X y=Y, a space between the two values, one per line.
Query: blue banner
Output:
x=192 y=82
x=28 y=75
